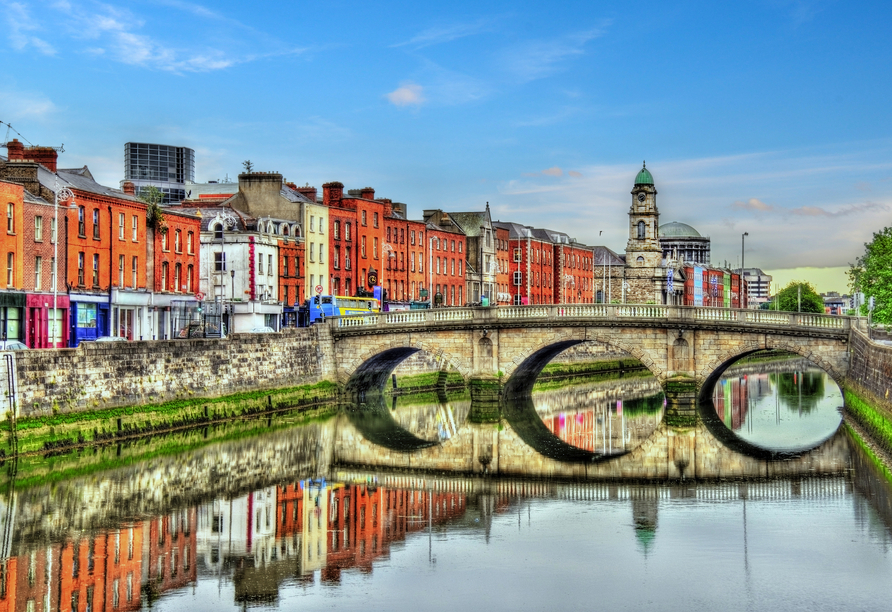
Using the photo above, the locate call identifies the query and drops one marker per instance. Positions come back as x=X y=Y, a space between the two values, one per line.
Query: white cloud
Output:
x=18 y=105
x=537 y=59
x=20 y=24
x=443 y=34
x=407 y=94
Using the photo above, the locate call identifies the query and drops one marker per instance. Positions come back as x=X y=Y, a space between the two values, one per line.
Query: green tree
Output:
x=788 y=298
x=871 y=274
x=153 y=197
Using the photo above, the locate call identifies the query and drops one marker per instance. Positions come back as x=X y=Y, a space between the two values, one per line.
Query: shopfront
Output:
x=12 y=305
x=89 y=318
x=44 y=326
x=131 y=312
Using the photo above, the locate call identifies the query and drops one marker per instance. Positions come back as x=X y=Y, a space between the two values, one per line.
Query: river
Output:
x=231 y=517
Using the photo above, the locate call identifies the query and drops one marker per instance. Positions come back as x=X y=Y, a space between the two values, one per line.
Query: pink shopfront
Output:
x=44 y=326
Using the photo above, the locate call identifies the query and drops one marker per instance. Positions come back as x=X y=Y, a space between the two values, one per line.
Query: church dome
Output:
x=644 y=177
x=678 y=230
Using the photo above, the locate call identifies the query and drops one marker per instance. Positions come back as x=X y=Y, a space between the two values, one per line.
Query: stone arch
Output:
x=527 y=364
x=369 y=369
x=710 y=374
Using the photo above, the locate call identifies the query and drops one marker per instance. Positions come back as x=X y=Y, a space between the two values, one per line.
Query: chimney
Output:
x=129 y=188
x=367 y=193
x=46 y=156
x=15 y=150
x=332 y=193
x=308 y=192
x=388 y=206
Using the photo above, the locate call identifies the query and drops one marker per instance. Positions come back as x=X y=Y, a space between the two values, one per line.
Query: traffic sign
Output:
x=199 y=296
x=318 y=288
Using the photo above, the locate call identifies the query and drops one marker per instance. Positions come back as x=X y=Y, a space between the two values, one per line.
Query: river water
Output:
x=235 y=518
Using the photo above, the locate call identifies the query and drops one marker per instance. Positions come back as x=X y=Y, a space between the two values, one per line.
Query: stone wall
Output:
x=870 y=370
x=102 y=375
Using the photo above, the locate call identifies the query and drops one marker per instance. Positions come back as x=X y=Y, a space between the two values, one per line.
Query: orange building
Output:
x=291 y=277
x=503 y=250
x=172 y=550
x=12 y=253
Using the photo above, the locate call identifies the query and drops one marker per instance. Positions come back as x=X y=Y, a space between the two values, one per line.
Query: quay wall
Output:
x=101 y=375
x=870 y=371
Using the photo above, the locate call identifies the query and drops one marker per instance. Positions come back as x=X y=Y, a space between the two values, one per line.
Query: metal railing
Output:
x=600 y=313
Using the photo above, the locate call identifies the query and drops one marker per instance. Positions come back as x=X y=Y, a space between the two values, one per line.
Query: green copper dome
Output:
x=644 y=176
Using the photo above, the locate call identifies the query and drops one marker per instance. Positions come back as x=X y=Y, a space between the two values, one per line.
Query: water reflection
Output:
x=791 y=408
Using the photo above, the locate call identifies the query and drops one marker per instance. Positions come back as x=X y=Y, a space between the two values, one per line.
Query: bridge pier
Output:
x=682 y=395
x=485 y=394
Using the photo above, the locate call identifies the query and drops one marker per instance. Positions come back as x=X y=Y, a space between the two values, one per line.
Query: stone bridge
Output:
x=504 y=349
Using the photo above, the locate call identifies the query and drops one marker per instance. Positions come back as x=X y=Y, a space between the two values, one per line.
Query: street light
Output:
x=64 y=194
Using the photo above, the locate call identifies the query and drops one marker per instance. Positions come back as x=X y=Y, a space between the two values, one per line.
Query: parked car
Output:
x=12 y=345
x=111 y=339
x=199 y=330
x=263 y=330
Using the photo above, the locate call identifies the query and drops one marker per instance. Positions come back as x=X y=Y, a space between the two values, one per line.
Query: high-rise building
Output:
x=163 y=166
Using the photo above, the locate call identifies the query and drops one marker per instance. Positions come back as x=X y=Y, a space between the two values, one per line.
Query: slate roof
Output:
x=80 y=179
x=470 y=223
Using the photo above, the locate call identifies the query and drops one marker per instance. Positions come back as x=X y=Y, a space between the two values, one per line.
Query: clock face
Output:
x=641 y=196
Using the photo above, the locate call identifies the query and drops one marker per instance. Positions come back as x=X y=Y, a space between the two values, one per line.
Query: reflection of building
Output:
x=172 y=550
x=731 y=400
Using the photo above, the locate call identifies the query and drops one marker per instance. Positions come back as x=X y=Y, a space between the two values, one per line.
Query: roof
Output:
x=33 y=199
x=471 y=223
x=644 y=176
x=80 y=179
x=678 y=230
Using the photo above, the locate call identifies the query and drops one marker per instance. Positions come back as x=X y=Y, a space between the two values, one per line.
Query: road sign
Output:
x=199 y=296
x=318 y=288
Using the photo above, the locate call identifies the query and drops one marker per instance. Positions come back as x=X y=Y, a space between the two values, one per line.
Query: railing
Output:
x=669 y=315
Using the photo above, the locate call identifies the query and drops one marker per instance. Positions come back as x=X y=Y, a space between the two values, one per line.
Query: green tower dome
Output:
x=644 y=176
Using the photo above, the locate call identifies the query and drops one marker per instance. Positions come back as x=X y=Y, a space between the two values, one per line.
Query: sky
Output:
x=769 y=117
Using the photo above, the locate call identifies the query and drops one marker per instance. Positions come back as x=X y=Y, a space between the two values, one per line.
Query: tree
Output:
x=789 y=299
x=249 y=167
x=871 y=274
x=153 y=197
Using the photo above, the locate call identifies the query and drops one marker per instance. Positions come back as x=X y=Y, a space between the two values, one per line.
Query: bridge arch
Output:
x=371 y=368
x=712 y=372
x=529 y=363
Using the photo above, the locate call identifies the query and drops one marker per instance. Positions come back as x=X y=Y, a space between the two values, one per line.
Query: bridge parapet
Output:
x=600 y=315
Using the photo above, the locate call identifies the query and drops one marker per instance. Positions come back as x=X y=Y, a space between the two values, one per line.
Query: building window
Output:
x=321 y=225
x=375 y=219
x=164 y=242
x=38 y=229
x=96 y=269
x=134 y=271
x=336 y=263
x=347 y=232
x=412 y=237
x=177 y=242
x=120 y=226
x=269 y=261
x=38 y=273
x=362 y=248
x=375 y=247
x=81 y=223
x=190 y=270
x=134 y=224
x=10 y=218
x=80 y=268
x=219 y=262
x=312 y=250
x=285 y=266
x=312 y=223
x=364 y=222
x=177 y=280
x=53 y=230
x=164 y=272
x=347 y=259
x=190 y=243
x=518 y=279
x=337 y=230
x=641 y=230
x=120 y=270
x=260 y=264
x=96 y=224
x=218 y=231
x=459 y=246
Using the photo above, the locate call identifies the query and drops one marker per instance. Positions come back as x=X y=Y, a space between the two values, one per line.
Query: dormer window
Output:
x=218 y=231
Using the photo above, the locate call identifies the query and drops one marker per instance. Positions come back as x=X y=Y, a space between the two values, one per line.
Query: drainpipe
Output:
x=111 y=258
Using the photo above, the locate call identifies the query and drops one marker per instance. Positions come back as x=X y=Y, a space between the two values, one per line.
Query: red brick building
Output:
x=503 y=256
x=531 y=267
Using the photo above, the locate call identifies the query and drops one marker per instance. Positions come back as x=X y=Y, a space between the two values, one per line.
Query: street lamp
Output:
x=65 y=194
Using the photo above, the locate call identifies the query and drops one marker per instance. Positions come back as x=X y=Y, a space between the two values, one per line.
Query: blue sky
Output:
x=770 y=117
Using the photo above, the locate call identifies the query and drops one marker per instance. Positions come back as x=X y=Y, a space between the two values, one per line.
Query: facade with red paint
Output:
x=503 y=256
x=531 y=266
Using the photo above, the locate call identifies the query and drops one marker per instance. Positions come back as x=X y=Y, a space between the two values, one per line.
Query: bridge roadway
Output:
x=686 y=348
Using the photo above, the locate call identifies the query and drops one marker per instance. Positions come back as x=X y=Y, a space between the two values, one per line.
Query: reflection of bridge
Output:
x=686 y=348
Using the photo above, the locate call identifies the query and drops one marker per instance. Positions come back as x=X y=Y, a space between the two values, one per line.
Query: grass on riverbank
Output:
x=50 y=432
x=876 y=460
x=875 y=421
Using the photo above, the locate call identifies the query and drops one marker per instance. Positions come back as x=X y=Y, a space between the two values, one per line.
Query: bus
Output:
x=321 y=306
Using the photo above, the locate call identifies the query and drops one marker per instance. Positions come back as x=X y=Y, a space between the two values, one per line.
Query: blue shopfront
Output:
x=89 y=318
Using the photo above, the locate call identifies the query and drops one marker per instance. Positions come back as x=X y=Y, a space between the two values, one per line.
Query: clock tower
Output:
x=643 y=249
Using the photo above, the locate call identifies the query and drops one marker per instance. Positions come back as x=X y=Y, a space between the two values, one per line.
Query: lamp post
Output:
x=743 y=265
x=63 y=193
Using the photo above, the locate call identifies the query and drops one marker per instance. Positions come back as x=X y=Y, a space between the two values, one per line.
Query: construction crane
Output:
x=59 y=149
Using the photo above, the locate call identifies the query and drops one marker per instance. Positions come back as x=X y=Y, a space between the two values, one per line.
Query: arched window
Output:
x=640 y=230
x=218 y=231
